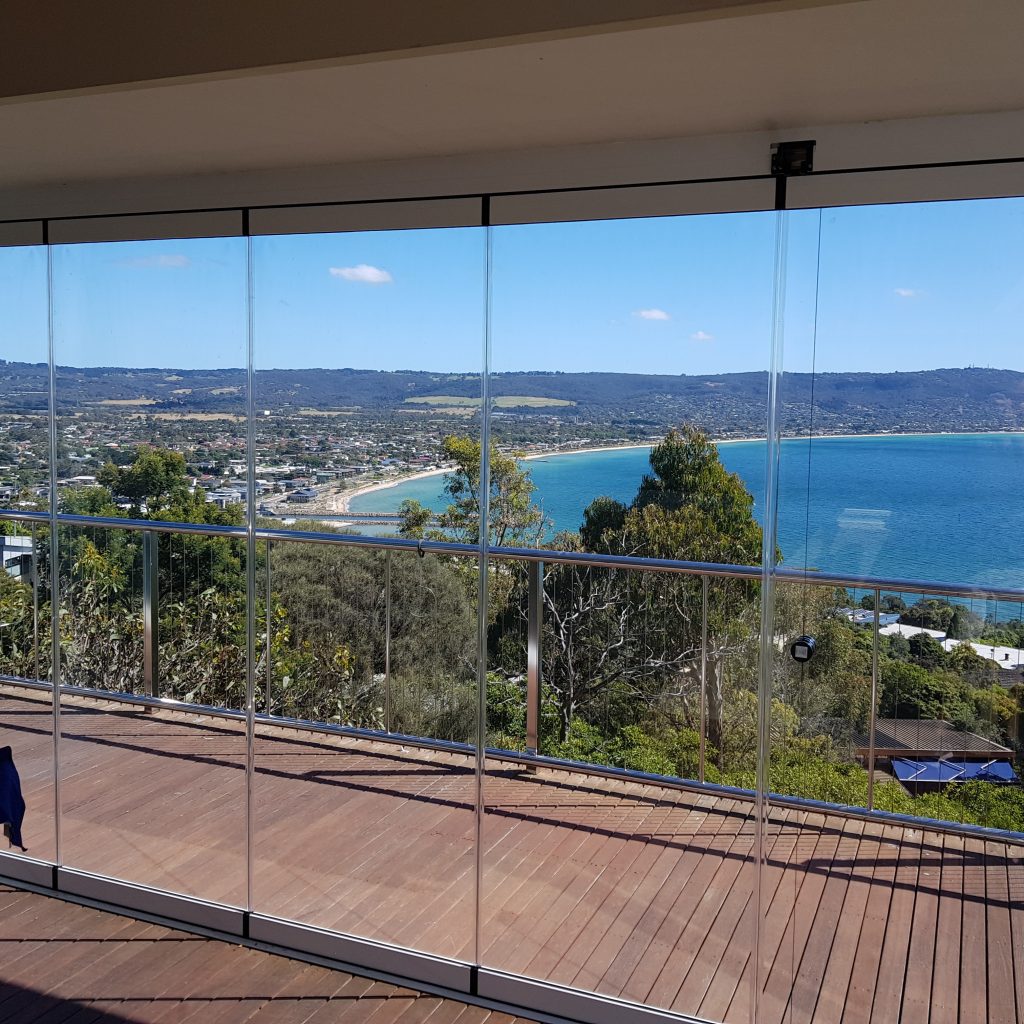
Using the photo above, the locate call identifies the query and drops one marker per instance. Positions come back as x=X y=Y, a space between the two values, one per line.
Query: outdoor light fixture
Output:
x=802 y=648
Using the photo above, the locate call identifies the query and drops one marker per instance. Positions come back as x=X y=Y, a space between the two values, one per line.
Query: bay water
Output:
x=946 y=507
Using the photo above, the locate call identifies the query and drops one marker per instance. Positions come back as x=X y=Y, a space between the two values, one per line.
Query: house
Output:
x=225 y=496
x=866 y=617
x=78 y=482
x=926 y=755
x=1007 y=658
x=16 y=554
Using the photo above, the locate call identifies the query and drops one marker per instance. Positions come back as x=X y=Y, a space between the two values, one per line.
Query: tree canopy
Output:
x=649 y=625
x=513 y=518
x=155 y=479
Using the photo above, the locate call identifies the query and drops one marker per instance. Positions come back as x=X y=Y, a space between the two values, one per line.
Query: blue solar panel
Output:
x=947 y=770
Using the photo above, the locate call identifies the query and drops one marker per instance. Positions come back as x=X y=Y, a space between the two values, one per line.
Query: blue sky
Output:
x=900 y=288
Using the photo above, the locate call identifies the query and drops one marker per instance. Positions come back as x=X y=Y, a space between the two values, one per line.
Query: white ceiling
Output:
x=854 y=62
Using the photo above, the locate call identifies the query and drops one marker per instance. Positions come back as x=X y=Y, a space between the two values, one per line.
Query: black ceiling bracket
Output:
x=788 y=160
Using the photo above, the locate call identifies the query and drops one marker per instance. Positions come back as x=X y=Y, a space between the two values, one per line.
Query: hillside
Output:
x=945 y=399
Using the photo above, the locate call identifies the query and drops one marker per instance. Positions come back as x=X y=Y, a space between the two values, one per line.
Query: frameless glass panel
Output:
x=151 y=353
x=154 y=795
x=368 y=352
x=26 y=696
x=431 y=638
x=633 y=886
x=901 y=407
x=629 y=397
x=368 y=356
x=912 y=344
x=26 y=710
x=24 y=380
x=350 y=816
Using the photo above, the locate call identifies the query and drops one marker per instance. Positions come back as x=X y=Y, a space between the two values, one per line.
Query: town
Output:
x=321 y=435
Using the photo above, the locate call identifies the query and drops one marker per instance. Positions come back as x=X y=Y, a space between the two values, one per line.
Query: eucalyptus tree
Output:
x=512 y=519
x=650 y=623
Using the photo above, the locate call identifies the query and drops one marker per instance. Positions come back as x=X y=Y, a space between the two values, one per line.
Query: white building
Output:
x=16 y=556
x=1010 y=658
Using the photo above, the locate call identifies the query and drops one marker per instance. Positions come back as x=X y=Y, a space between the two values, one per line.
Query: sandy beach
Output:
x=343 y=499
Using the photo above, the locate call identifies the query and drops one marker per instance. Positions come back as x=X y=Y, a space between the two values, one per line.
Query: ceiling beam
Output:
x=66 y=46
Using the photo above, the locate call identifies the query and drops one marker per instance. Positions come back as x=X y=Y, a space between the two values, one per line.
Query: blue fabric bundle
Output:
x=12 y=803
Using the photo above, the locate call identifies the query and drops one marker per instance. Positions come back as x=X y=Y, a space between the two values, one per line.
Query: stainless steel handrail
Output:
x=812 y=577
x=121 y=697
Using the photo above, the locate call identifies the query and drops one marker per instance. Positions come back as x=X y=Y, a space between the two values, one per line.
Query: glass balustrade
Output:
x=714 y=723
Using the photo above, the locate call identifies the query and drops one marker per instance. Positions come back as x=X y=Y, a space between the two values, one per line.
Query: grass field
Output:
x=501 y=402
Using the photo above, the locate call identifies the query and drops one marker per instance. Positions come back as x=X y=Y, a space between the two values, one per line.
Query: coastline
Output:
x=584 y=451
x=751 y=440
x=346 y=497
x=343 y=499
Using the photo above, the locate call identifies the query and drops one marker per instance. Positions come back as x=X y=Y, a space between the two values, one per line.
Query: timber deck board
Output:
x=631 y=890
x=61 y=962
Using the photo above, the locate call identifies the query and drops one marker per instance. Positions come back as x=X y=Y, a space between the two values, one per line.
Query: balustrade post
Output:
x=34 y=570
x=535 y=612
x=387 y=641
x=874 y=706
x=270 y=660
x=703 y=677
x=151 y=611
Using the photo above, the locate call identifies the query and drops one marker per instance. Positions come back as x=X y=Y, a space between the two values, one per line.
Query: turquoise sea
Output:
x=947 y=507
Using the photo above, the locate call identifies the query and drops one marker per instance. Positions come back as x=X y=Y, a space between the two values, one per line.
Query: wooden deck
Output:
x=69 y=963
x=625 y=889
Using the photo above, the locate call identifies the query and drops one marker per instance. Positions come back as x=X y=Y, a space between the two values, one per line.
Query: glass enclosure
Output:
x=900 y=445
x=26 y=710
x=608 y=330
x=135 y=439
x=633 y=606
x=358 y=836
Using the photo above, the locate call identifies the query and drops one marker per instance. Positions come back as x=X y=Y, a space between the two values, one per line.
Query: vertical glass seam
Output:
x=58 y=852
x=250 y=576
x=769 y=541
x=481 y=613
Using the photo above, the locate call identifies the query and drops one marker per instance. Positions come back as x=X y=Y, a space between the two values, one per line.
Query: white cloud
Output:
x=702 y=336
x=906 y=293
x=363 y=273
x=167 y=259
x=652 y=314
